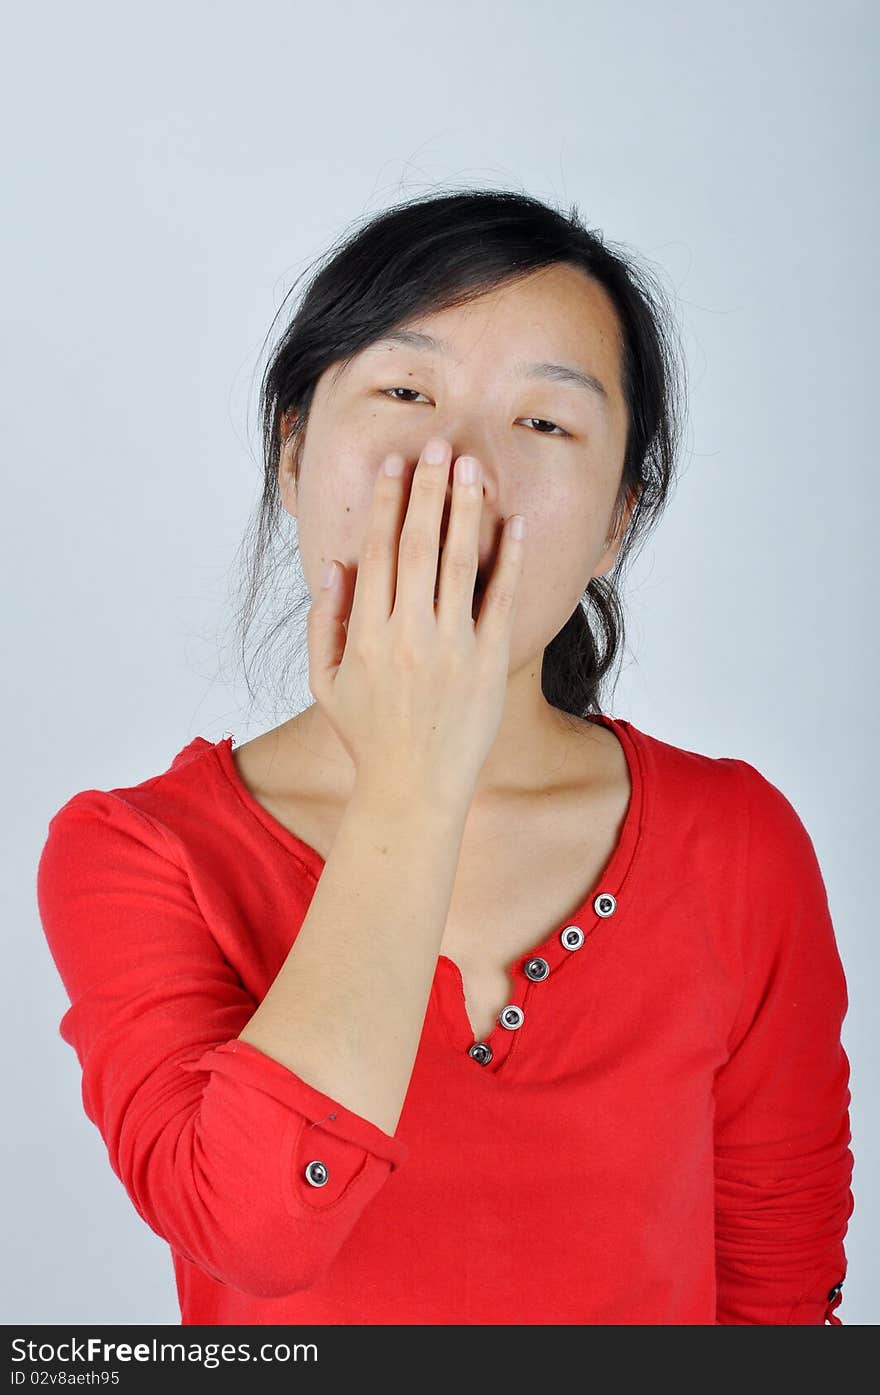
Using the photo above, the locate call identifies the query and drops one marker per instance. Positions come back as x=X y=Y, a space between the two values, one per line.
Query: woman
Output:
x=453 y=999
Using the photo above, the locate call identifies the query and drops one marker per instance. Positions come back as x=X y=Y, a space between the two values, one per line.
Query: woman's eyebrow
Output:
x=553 y=372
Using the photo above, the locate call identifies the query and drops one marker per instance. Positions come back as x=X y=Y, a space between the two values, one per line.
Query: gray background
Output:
x=169 y=170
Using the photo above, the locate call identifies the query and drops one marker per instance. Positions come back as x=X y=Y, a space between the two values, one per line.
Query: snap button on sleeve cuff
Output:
x=317 y=1174
x=835 y=1296
x=326 y=1172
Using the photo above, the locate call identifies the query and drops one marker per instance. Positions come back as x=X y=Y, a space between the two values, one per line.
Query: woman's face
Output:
x=549 y=449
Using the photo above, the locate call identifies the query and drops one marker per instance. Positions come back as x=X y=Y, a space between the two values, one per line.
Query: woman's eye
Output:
x=546 y=423
x=402 y=389
x=541 y=421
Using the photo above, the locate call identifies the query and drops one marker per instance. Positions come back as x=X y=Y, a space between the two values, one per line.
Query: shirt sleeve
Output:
x=783 y=1167
x=243 y=1167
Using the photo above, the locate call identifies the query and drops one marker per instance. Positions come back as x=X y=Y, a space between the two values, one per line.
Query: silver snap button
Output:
x=536 y=969
x=481 y=1052
x=572 y=937
x=605 y=904
x=511 y=1016
x=316 y=1174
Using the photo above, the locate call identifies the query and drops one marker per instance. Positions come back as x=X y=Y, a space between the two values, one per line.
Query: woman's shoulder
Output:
x=701 y=769
x=723 y=793
x=156 y=808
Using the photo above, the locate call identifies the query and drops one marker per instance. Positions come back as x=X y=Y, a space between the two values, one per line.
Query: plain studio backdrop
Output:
x=169 y=171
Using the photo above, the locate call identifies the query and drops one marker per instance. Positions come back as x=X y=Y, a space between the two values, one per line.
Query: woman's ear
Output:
x=287 y=464
x=614 y=539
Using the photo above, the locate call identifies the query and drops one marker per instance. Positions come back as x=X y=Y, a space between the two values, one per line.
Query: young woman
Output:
x=453 y=999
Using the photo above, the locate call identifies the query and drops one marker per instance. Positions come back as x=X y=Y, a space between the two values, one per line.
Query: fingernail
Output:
x=517 y=527
x=435 y=452
x=329 y=573
x=466 y=466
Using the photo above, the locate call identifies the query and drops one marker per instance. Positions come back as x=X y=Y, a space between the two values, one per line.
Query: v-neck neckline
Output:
x=598 y=909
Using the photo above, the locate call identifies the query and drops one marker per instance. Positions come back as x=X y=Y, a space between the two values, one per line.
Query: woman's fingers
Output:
x=461 y=550
x=397 y=569
x=325 y=629
x=496 y=611
x=377 y=566
x=419 y=545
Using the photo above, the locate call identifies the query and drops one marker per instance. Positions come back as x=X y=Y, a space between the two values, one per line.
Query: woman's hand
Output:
x=415 y=693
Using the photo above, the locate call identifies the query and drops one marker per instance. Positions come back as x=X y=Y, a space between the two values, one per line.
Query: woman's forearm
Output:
x=346 y=1009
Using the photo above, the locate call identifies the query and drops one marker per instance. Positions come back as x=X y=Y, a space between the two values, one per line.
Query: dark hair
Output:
x=425 y=254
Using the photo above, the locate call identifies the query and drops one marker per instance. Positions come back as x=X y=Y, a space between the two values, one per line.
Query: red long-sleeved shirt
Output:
x=662 y=1139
